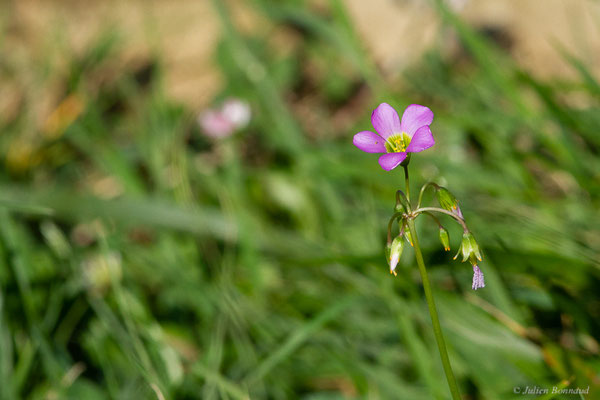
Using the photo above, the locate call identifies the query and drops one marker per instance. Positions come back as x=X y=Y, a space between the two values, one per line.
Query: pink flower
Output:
x=396 y=138
x=220 y=123
x=237 y=112
x=214 y=124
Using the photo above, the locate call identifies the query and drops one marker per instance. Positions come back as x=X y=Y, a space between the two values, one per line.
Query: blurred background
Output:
x=183 y=214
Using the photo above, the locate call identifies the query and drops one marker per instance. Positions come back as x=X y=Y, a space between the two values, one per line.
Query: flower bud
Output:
x=475 y=248
x=444 y=238
x=448 y=201
x=395 y=252
x=469 y=249
x=464 y=248
x=445 y=198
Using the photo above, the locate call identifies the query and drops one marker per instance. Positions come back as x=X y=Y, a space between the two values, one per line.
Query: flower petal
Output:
x=237 y=112
x=369 y=142
x=390 y=161
x=414 y=117
x=421 y=140
x=215 y=125
x=394 y=263
x=478 y=281
x=385 y=120
x=457 y=211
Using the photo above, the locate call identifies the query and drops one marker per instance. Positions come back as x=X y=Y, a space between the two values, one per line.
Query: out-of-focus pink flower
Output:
x=222 y=122
x=237 y=112
x=214 y=124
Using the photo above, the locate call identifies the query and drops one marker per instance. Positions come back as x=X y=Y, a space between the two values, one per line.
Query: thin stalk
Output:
x=401 y=199
x=436 y=219
x=390 y=224
x=406 y=181
x=440 y=210
x=425 y=186
x=437 y=330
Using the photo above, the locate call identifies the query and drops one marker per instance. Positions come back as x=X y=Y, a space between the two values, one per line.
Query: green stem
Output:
x=406 y=181
x=437 y=330
x=435 y=209
x=436 y=219
x=389 y=235
x=401 y=199
x=425 y=186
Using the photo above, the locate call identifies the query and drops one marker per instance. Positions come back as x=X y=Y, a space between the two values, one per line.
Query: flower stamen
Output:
x=397 y=143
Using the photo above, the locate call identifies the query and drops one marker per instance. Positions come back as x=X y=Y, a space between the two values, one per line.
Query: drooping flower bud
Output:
x=444 y=238
x=445 y=198
x=464 y=248
x=478 y=281
x=448 y=201
x=469 y=249
x=475 y=248
x=395 y=252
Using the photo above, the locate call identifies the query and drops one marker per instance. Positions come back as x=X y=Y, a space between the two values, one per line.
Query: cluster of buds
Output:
x=468 y=246
x=468 y=250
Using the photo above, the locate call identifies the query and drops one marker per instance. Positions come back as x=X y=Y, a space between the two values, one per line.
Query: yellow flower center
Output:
x=397 y=142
